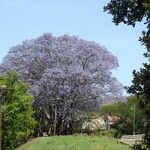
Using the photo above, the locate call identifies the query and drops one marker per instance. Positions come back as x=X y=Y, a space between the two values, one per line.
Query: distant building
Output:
x=94 y=124
x=103 y=122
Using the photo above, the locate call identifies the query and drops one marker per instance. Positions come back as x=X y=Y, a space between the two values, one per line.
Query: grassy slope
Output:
x=73 y=143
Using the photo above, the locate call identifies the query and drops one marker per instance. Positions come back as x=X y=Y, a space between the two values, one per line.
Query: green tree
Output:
x=141 y=87
x=130 y=115
x=130 y=12
x=17 y=121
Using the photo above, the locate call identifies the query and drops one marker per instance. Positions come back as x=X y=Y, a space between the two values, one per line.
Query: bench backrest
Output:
x=136 y=137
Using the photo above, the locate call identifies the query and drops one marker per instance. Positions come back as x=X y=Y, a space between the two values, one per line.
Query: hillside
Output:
x=73 y=143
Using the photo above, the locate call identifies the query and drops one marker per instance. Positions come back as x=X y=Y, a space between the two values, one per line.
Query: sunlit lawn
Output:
x=73 y=143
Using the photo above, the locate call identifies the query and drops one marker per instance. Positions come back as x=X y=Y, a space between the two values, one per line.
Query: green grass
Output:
x=73 y=143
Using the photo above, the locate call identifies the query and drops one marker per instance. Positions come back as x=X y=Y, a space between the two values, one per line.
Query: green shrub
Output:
x=17 y=121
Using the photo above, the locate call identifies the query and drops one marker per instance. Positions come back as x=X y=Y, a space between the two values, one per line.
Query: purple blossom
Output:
x=66 y=71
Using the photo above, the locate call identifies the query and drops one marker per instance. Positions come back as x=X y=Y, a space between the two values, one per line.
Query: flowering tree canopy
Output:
x=66 y=73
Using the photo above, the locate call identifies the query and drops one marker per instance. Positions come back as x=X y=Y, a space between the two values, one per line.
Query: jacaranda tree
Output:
x=68 y=76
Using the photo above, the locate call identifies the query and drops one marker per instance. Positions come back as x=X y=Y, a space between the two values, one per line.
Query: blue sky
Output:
x=27 y=19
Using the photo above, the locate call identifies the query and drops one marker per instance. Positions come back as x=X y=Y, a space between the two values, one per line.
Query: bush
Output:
x=17 y=121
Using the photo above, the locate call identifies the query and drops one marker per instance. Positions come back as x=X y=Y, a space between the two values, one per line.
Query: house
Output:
x=103 y=122
x=94 y=124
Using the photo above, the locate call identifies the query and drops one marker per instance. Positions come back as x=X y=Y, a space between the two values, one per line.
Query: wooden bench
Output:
x=131 y=139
